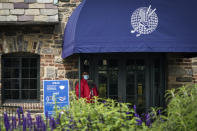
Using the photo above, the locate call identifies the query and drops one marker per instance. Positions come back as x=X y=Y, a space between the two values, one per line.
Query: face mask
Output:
x=86 y=77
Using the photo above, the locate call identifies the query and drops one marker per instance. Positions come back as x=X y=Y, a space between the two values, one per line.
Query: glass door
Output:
x=135 y=82
x=108 y=78
x=136 y=78
x=157 y=82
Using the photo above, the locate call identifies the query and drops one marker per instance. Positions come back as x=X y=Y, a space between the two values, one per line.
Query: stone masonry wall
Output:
x=181 y=69
x=44 y=40
x=28 y=11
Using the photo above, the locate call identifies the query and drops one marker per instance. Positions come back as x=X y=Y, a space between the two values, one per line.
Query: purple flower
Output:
x=134 y=107
x=138 y=120
x=38 y=121
x=13 y=122
x=58 y=119
x=43 y=126
x=148 y=121
x=29 y=120
x=24 y=124
x=6 y=121
x=52 y=123
x=46 y=114
x=159 y=112
x=19 y=112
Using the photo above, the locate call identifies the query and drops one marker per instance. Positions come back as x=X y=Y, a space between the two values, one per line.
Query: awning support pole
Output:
x=79 y=73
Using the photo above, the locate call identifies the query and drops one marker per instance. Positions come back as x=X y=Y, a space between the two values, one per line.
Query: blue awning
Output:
x=100 y=26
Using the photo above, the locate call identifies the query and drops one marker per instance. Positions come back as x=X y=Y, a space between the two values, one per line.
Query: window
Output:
x=20 y=76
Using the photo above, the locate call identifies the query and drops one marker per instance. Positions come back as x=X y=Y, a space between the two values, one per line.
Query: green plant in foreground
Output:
x=101 y=115
x=181 y=112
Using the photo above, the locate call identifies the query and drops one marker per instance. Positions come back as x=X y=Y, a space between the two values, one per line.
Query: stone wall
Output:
x=181 y=69
x=194 y=69
x=28 y=11
x=38 y=40
x=44 y=39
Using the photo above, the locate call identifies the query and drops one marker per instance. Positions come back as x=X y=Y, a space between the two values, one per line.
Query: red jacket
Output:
x=86 y=92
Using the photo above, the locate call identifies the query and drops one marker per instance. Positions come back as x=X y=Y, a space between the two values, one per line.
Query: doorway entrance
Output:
x=138 y=78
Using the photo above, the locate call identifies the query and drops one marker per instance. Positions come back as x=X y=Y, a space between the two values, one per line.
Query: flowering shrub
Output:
x=98 y=115
x=102 y=115
x=107 y=114
x=24 y=123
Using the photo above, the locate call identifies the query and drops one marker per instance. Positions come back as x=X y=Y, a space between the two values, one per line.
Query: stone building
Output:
x=30 y=45
x=31 y=39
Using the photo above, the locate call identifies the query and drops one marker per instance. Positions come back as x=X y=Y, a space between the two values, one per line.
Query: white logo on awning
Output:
x=144 y=20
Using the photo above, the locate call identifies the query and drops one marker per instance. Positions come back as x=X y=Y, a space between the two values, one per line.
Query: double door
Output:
x=135 y=78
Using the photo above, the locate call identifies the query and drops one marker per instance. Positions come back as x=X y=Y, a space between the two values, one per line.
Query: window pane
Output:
x=6 y=73
x=7 y=62
x=130 y=81
x=33 y=73
x=102 y=64
x=130 y=65
x=7 y=94
x=15 y=94
x=15 y=73
x=25 y=62
x=11 y=94
x=7 y=84
x=113 y=83
x=86 y=65
x=25 y=73
x=11 y=62
x=130 y=77
x=140 y=64
x=108 y=78
x=102 y=84
x=113 y=64
x=135 y=82
x=15 y=62
x=130 y=89
x=33 y=94
x=157 y=90
x=14 y=84
x=33 y=62
x=11 y=83
x=25 y=84
x=33 y=84
x=11 y=73
x=25 y=94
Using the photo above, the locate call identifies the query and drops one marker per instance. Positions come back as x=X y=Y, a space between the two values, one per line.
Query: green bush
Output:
x=181 y=111
x=102 y=116
x=109 y=115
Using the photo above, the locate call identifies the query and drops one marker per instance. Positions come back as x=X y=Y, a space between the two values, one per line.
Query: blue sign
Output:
x=55 y=92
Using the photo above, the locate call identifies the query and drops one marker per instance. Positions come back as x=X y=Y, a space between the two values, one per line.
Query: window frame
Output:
x=20 y=56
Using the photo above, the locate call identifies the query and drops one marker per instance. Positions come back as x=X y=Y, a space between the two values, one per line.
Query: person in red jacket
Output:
x=88 y=89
